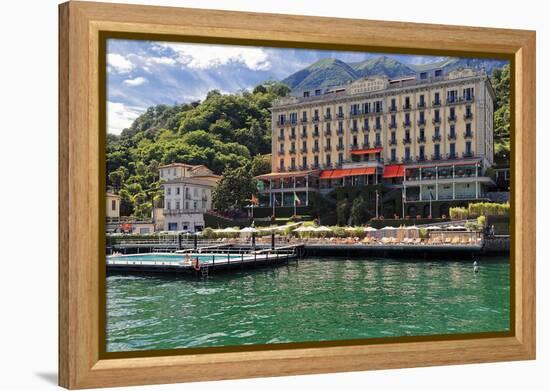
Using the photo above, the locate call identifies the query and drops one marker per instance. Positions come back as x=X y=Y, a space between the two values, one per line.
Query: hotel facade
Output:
x=419 y=144
x=187 y=195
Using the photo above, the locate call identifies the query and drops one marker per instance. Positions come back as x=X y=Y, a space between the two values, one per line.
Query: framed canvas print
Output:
x=247 y=195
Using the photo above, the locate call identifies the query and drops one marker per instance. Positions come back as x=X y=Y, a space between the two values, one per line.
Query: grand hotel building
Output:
x=413 y=141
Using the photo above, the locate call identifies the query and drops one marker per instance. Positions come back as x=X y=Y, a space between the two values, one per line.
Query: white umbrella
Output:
x=433 y=228
x=412 y=227
x=249 y=230
x=370 y=229
x=322 y=228
x=387 y=228
x=230 y=230
x=456 y=228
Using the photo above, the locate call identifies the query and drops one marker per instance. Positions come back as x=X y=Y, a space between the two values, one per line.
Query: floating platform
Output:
x=200 y=262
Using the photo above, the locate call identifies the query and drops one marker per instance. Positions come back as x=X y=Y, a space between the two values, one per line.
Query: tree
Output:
x=260 y=165
x=342 y=212
x=501 y=118
x=358 y=211
x=234 y=190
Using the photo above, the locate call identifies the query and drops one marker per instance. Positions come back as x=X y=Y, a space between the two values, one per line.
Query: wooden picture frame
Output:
x=81 y=205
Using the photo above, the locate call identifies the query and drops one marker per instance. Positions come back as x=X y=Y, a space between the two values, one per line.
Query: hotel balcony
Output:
x=469 y=134
x=292 y=136
x=328 y=117
x=393 y=109
x=468 y=116
x=293 y=121
x=315 y=149
x=355 y=113
x=436 y=121
x=281 y=123
x=315 y=118
x=315 y=166
x=451 y=136
x=421 y=139
x=354 y=129
x=452 y=156
x=436 y=137
x=393 y=159
x=436 y=157
x=406 y=159
x=392 y=141
x=293 y=168
x=281 y=137
x=406 y=124
x=340 y=147
x=378 y=127
x=366 y=145
x=421 y=158
x=327 y=165
x=436 y=103
x=393 y=125
x=421 y=122
x=340 y=115
x=303 y=135
x=303 y=168
x=303 y=120
x=421 y=105
x=407 y=107
x=354 y=147
x=281 y=152
x=452 y=118
x=292 y=151
x=340 y=131
x=467 y=154
x=407 y=140
x=328 y=133
x=328 y=148
x=366 y=128
x=315 y=134
x=377 y=144
x=303 y=150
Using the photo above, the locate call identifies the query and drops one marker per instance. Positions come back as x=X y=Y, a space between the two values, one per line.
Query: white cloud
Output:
x=161 y=60
x=208 y=56
x=120 y=116
x=117 y=63
x=135 y=82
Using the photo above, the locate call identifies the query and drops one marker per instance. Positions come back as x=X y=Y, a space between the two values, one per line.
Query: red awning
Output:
x=366 y=151
x=393 y=171
x=341 y=173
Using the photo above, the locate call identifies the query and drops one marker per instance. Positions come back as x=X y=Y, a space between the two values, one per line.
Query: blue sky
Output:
x=144 y=73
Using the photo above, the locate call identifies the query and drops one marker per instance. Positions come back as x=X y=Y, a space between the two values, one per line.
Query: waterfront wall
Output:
x=497 y=245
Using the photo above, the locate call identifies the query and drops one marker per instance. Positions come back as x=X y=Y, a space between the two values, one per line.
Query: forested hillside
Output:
x=221 y=132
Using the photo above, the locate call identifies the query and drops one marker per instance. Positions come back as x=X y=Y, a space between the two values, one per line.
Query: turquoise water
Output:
x=313 y=300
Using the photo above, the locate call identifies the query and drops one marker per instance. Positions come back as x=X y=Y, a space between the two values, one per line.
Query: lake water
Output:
x=314 y=300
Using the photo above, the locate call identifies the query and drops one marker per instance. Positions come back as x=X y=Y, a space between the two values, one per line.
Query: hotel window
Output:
x=281 y=133
x=281 y=164
x=393 y=121
x=468 y=93
x=293 y=163
x=438 y=73
x=378 y=123
x=452 y=149
x=316 y=145
x=304 y=161
x=340 y=126
x=316 y=130
x=186 y=205
x=436 y=151
x=423 y=75
x=436 y=131
x=422 y=100
x=282 y=148
x=328 y=142
x=195 y=192
x=293 y=146
x=422 y=115
x=194 y=205
x=468 y=110
x=393 y=104
x=168 y=190
x=174 y=171
x=340 y=111
x=452 y=131
x=306 y=94
x=377 y=138
x=421 y=153
x=393 y=140
x=327 y=159
x=328 y=127
x=436 y=114
x=293 y=132
x=317 y=92
x=468 y=147
x=393 y=155
x=304 y=145
x=436 y=98
x=451 y=96
x=304 y=116
x=304 y=131
x=366 y=139
x=177 y=205
x=355 y=140
x=378 y=106
x=161 y=173
x=168 y=205
x=113 y=204
x=178 y=190
x=316 y=160
x=328 y=112
x=340 y=158
x=366 y=123
x=407 y=153
x=407 y=102
x=407 y=135
x=422 y=133
x=468 y=128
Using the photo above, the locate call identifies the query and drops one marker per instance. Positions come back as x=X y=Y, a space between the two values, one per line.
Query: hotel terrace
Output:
x=426 y=137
